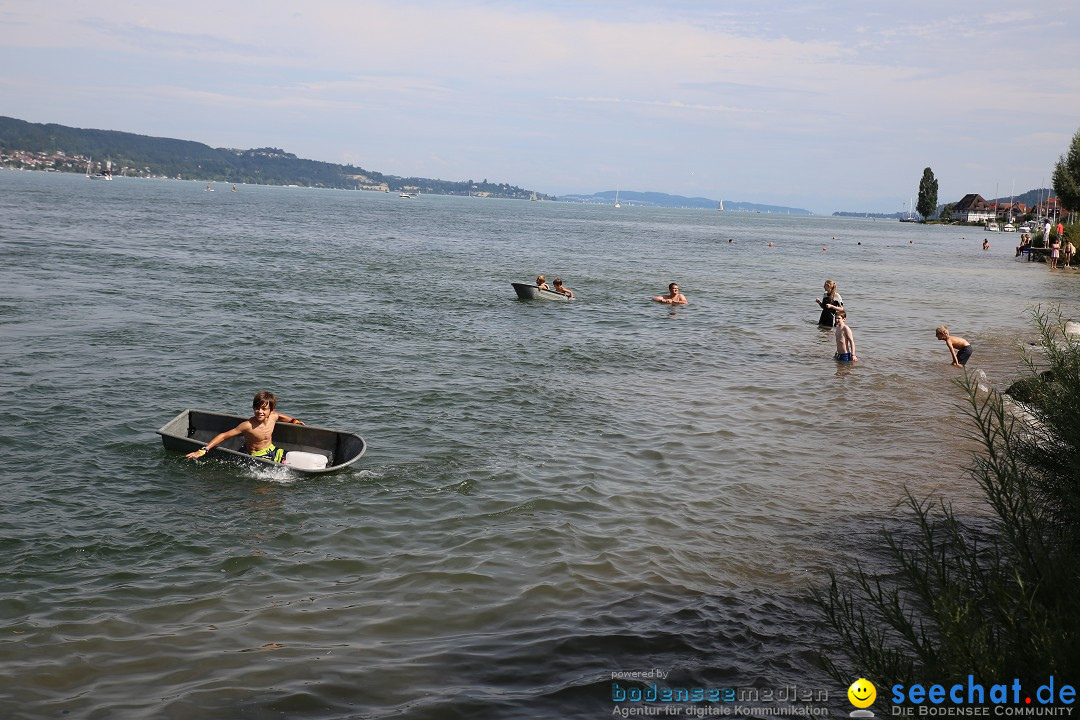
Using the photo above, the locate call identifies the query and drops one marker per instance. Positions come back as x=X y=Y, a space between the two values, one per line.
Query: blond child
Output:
x=829 y=304
x=959 y=348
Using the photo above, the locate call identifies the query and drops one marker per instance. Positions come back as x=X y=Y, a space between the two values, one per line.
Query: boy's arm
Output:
x=286 y=419
x=218 y=439
x=952 y=351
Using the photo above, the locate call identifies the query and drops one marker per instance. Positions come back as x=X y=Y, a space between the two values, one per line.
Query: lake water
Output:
x=553 y=492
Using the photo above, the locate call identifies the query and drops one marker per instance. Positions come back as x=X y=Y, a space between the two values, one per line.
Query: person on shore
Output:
x=674 y=297
x=829 y=304
x=541 y=283
x=959 y=348
x=562 y=289
x=258 y=430
x=845 y=339
x=1055 y=251
x=1025 y=244
x=1067 y=252
x=986 y=244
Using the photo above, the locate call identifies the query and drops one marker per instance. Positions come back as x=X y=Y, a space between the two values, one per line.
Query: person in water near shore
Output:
x=560 y=288
x=674 y=297
x=845 y=339
x=829 y=304
x=541 y=282
x=959 y=348
x=986 y=244
x=258 y=430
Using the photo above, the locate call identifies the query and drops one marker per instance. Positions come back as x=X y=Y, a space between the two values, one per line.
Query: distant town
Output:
x=61 y=162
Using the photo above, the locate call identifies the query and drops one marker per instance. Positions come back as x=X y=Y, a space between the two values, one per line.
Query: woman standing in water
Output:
x=829 y=304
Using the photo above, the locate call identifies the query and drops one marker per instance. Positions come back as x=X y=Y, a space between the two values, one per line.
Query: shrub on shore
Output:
x=997 y=598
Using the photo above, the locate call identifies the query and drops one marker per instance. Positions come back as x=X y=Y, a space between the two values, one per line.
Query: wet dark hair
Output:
x=264 y=397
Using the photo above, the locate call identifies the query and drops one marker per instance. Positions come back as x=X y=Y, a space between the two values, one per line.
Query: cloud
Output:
x=607 y=87
x=665 y=104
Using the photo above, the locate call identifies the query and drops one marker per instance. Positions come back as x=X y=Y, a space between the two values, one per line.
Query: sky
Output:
x=826 y=106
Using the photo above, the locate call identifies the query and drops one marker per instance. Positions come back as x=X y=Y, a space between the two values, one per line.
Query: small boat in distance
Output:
x=991 y=226
x=329 y=449
x=911 y=217
x=408 y=195
x=106 y=175
x=529 y=291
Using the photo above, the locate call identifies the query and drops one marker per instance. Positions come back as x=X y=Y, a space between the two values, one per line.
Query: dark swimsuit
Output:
x=828 y=317
x=963 y=354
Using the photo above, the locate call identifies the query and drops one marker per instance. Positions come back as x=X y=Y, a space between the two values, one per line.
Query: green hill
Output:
x=67 y=149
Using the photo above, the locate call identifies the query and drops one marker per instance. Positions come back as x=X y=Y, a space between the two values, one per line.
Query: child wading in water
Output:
x=845 y=339
x=257 y=430
x=959 y=348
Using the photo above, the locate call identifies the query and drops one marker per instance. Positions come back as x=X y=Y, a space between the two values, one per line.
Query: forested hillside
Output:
x=68 y=149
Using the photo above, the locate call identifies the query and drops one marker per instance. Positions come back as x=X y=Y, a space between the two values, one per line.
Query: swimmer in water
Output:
x=674 y=297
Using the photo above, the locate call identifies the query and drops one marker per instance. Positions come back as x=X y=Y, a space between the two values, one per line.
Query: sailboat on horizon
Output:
x=617 y=199
x=107 y=175
x=720 y=207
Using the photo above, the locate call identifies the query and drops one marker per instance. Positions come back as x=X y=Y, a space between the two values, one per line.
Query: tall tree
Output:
x=1067 y=176
x=927 y=194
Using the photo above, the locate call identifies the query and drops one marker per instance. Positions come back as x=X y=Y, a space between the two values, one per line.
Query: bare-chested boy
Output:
x=959 y=348
x=562 y=289
x=258 y=430
x=845 y=339
x=674 y=297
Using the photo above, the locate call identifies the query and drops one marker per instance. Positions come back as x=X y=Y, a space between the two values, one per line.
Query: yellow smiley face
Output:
x=862 y=693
